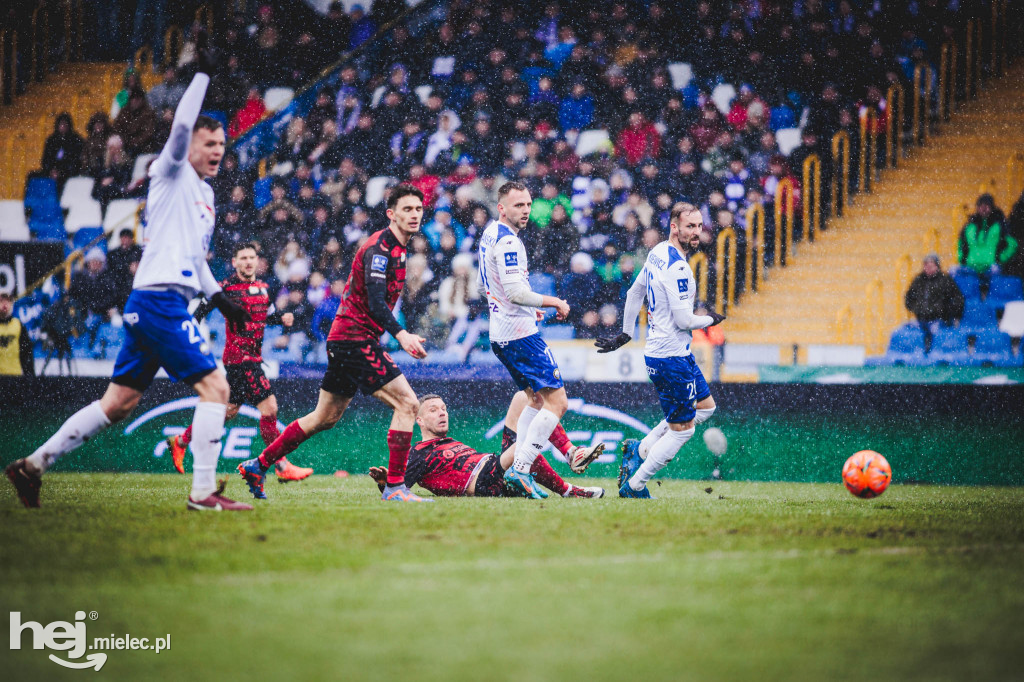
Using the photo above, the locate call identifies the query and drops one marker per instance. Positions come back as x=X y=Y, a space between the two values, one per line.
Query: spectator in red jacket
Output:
x=638 y=140
x=249 y=115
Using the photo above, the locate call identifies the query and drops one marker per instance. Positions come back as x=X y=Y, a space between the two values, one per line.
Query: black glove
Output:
x=234 y=314
x=607 y=345
x=715 y=318
x=207 y=56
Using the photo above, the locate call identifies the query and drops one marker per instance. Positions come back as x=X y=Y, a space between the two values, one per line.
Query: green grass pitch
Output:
x=747 y=581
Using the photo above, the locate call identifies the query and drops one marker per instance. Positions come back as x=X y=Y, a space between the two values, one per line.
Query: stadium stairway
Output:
x=81 y=89
x=847 y=286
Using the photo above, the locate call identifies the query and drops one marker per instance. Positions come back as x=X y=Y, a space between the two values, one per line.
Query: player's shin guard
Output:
x=533 y=442
x=207 y=430
x=703 y=415
x=292 y=437
x=660 y=455
x=548 y=477
x=399 y=443
x=268 y=429
x=526 y=418
x=651 y=438
x=82 y=426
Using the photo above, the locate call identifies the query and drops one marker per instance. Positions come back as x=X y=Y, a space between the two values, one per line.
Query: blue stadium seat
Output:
x=51 y=229
x=261 y=192
x=994 y=348
x=949 y=345
x=968 y=282
x=41 y=200
x=557 y=332
x=978 y=316
x=1004 y=289
x=84 y=235
x=906 y=346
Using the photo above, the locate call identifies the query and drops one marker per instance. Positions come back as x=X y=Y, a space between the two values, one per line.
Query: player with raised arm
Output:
x=355 y=359
x=243 y=359
x=449 y=468
x=515 y=340
x=159 y=330
x=667 y=283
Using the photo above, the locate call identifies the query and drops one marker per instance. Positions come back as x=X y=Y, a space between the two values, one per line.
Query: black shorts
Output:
x=357 y=366
x=490 y=482
x=249 y=385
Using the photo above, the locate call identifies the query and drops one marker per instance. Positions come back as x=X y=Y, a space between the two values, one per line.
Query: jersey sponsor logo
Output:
x=512 y=271
x=684 y=285
x=379 y=264
x=511 y=259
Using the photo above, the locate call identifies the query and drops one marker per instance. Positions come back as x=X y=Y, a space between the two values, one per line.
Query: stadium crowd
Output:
x=509 y=97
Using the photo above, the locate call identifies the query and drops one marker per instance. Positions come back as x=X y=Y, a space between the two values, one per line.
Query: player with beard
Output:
x=667 y=282
x=449 y=468
x=356 y=361
x=243 y=359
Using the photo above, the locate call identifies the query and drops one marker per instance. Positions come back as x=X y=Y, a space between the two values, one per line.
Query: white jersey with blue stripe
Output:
x=670 y=286
x=503 y=262
x=179 y=210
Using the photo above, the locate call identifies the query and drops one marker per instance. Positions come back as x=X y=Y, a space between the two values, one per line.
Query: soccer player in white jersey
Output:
x=512 y=307
x=667 y=283
x=160 y=332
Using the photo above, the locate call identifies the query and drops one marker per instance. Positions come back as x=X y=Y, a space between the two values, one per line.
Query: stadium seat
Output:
x=261 y=192
x=906 y=346
x=950 y=346
x=276 y=99
x=49 y=229
x=1013 y=319
x=83 y=212
x=591 y=141
x=1004 y=289
x=722 y=96
x=993 y=348
x=120 y=214
x=681 y=74
x=375 y=188
x=141 y=165
x=978 y=316
x=782 y=117
x=969 y=283
x=13 y=226
x=788 y=139
x=41 y=200
x=85 y=235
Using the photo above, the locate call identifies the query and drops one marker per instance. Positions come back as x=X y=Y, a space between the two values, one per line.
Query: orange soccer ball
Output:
x=867 y=474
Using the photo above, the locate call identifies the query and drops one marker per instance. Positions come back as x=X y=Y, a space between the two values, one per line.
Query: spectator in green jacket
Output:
x=985 y=244
x=933 y=298
x=543 y=205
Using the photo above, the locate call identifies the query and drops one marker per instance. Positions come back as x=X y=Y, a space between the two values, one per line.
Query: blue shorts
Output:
x=680 y=386
x=160 y=332
x=530 y=362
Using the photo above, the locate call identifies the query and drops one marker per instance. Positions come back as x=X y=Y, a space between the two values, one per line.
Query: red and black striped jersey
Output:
x=373 y=288
x=244 y=345
x=444 y=466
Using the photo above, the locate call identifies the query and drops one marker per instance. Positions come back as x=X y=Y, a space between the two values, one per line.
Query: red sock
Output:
x=186 y=437
x=560 y=439
x=399 y=443
x=547 y=477
x=292 y=437
x=268 y=429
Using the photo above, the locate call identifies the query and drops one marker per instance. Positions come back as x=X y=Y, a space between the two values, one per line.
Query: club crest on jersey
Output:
x=253 y=289
x=379 y=264
x=558 y=375
x=511 y=259
x=684 y=285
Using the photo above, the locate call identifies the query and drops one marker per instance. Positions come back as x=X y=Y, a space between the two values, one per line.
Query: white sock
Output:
x=523 y=424
x=207 y=430
x=528 y=447
x=703 y=415
x=660 y=455
x=82 y=426
x=651 y=438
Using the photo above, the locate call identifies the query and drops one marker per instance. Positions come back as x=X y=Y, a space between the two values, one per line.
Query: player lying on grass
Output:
x=243 y=359
x=447 y=467
x=578 y=457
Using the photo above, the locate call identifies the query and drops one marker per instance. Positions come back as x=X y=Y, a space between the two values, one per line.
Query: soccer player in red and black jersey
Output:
x=355 y=359
x=243 y=358
x=449 y=468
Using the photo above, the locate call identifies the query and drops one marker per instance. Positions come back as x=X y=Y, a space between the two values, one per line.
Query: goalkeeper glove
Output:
x=607 y=345
x=715 y=318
